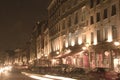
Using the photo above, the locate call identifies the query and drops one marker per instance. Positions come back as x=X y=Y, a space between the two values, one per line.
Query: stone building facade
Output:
x=82 y=32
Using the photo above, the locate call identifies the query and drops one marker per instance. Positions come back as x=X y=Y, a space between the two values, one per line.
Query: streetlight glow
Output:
x=84 y=48
x=116 y=43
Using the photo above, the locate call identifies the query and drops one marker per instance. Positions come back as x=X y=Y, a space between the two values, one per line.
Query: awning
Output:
x=74 y=50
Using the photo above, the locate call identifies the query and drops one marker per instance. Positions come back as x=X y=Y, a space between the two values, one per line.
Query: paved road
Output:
x=14 y=76
x=17 y=75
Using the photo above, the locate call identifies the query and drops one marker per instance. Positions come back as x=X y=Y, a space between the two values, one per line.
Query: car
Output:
x=77 y=73
x=101 y=73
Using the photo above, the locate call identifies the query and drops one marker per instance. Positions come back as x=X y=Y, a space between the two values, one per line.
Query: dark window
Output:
x=106 y=34
x=91 y=20
x=63 y=26
x=105 y=14
x=98 y=2
x=69 y=21
x=98 y=35
x=84 y=38
x=75 y=2
x=114 y=32
x=97 y=17
x=76 y=18
x=104 y=1
x=113 y=10
x=91 y=3
x=58 y=28
x=83 y=15
x=92 y=37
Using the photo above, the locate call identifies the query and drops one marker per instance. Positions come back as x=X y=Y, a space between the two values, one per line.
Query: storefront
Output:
x=117 y=64
x=79 y=59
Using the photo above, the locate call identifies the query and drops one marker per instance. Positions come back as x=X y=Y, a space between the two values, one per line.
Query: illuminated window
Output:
x=69 y=39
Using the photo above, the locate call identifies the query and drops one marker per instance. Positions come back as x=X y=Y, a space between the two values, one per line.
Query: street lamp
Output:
x=116 y=43
x=57 y=52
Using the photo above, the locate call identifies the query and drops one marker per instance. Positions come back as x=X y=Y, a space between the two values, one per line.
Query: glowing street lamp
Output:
x=116 y=43
x=57 y=52
x=84 y=48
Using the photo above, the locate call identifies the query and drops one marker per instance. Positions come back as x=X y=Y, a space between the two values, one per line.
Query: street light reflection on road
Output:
x=39 y=78
x=59 y=77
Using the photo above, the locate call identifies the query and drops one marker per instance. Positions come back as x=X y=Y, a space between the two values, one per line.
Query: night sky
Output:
x=17 y=19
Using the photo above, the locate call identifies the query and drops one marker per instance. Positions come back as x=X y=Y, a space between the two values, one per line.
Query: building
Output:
x=82 y=32
x=32 y=46
x=42 y=43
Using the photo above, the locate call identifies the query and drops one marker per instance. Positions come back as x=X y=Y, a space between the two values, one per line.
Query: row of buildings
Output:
x=79 y=33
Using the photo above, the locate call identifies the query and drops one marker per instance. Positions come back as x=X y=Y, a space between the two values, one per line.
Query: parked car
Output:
x=100 y=73
x=77 y=73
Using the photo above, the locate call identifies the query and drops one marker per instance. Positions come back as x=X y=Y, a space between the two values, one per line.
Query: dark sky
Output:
x=17 y=18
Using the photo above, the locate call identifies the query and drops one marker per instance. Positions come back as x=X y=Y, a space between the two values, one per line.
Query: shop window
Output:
x=113 y=10
x=97 y=17
x=105 y=14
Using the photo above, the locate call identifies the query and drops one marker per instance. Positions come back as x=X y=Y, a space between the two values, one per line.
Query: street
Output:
x=18 y=75
x=14 y=76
